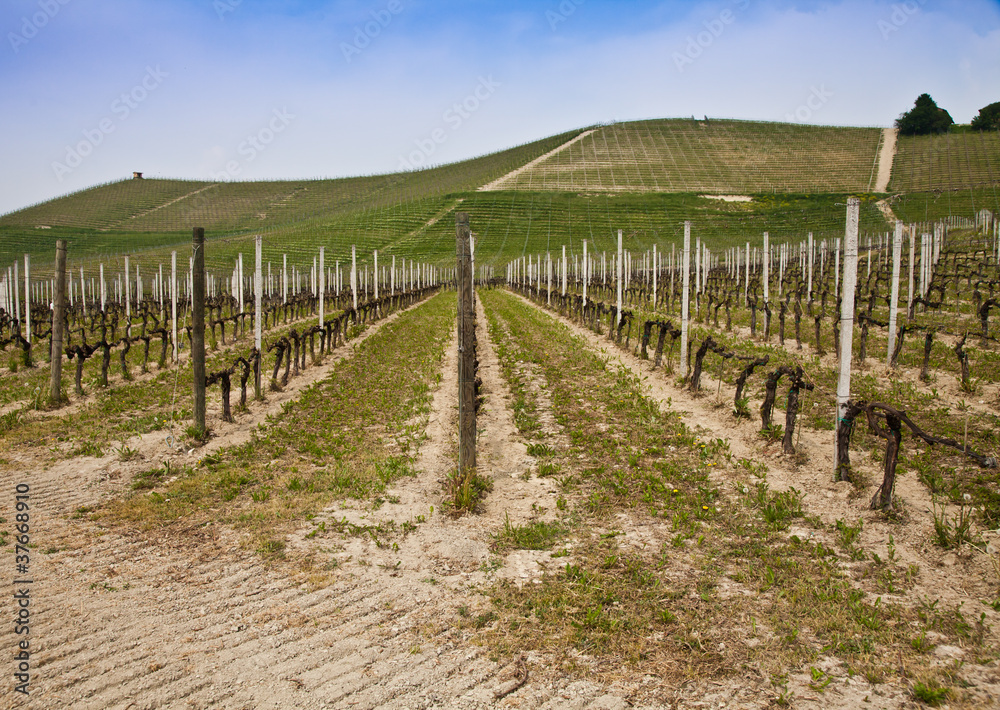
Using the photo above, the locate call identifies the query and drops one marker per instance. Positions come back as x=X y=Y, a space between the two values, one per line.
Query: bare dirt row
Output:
x=189 y=619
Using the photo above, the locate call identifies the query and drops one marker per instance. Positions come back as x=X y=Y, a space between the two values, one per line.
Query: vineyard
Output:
x=575 y=440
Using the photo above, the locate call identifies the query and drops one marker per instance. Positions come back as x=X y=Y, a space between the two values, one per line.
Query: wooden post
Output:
x=897 y=246
x=239 y=281
x=685 y=286
x=354 y=277
x=173 y=299
x=548 y=278
x=586 y=271
x=767 y=268
x=258 y=312
x=198 y=328
x=58 y=318
x=564 y=271
x=618 y=276
x=843 y=424
x=655 y=269
x=809 y=283
x=466 y=349
x=27 y=297
x=322 y=284
x=746 y=274
x=913 y=247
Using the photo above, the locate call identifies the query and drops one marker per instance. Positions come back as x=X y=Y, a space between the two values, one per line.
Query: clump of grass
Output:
x=537 y=535
x=954 y=532
x=930 y=692
x=466 y=490
x=777 y=508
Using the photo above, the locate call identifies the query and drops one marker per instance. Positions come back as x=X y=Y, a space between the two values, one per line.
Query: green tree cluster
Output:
x=925 y=117
x=988 y=118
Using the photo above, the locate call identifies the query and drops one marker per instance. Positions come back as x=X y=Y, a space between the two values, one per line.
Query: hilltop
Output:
x=644 y=177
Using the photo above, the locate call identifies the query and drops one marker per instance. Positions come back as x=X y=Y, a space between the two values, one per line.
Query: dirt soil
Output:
x=127 y=620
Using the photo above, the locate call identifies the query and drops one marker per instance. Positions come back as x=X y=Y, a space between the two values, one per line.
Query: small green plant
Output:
x=466 y=490
x=820 y=679
x=532 y=536
x=778 y=508
x=921 y=644
x=741 y=408
x=952 y=533
x=773 y=432
x=125 y=452
x=930 y=692
x=540 y=449
x=849 y=536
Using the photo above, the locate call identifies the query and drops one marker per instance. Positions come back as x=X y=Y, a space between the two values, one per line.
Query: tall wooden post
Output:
x=618 y=277
x=685 y=288
x=909 y=296
x=563 y=269
x=321 y=276
x=27 y=297
x=897 y=247
x=767 y=269
x=173 y=300
x=655 y=270
x=354 y=277
x=58 y=320
x=844 y=422
x=258 y=313
x=809 y=283
x=466 y=348
x=198 y=328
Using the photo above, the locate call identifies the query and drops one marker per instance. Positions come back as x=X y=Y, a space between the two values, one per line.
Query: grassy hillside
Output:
x=514 y=223
x=137 y=214
x=715 y=156
x=944 y=175
x=950 y=161
x=644 y=177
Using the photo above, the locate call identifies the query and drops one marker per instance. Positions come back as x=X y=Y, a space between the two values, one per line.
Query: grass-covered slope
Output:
x=714 y=156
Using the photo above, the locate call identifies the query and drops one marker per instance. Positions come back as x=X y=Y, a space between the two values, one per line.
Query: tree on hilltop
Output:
x=988 y=118
x=925 y=117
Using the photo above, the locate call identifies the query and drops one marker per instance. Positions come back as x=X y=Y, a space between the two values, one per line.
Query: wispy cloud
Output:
x=599 y=61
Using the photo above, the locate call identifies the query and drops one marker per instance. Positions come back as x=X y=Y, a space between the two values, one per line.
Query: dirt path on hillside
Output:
x=886 y=155
x=953 y=579
x=126 y=621
x=501 y=182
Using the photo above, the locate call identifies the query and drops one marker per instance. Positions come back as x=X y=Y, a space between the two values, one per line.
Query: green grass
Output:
x=718 y=156
x=949 y=161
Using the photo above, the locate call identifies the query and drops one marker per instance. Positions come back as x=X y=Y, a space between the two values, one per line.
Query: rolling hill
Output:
x=644 y=177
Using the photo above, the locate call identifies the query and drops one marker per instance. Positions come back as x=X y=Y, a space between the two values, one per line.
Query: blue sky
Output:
x=260 y=89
